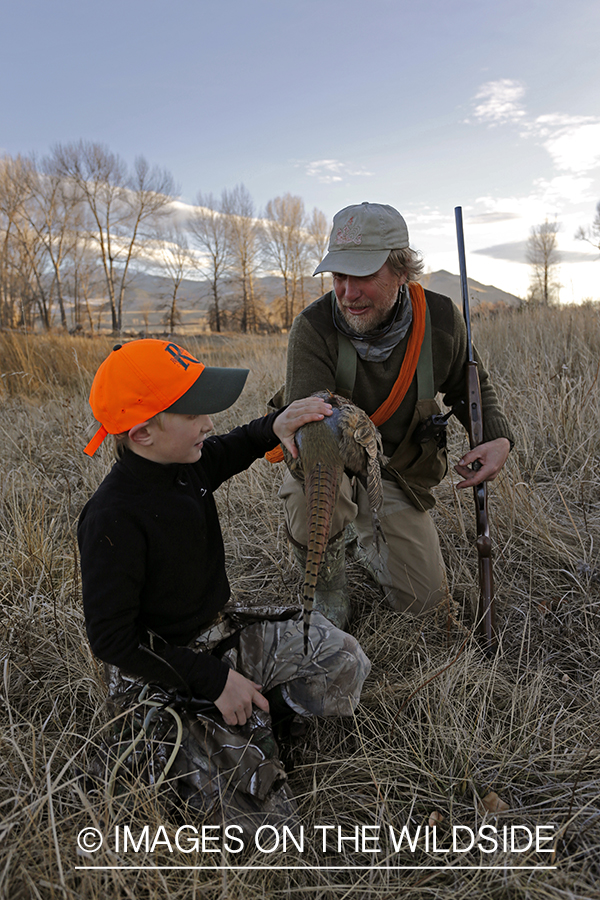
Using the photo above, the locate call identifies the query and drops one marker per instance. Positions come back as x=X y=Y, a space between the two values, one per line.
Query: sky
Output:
x=429 y=105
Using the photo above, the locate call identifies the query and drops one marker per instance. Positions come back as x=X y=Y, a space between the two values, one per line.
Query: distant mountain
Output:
x=443 y=282
x=146 y=290
x=147 y=298
x=149 y=290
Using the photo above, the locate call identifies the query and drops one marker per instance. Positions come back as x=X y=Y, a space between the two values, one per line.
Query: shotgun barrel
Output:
x=486 y=612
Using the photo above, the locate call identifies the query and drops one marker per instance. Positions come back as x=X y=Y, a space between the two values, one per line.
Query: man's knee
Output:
x=412 y=602
x=412 y=586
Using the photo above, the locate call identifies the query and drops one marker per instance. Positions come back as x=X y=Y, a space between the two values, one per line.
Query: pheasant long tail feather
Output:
x=375 y=495
x=321 y=487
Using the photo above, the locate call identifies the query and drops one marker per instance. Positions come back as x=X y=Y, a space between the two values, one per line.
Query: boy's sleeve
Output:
x=113 y=555
x=227 y=454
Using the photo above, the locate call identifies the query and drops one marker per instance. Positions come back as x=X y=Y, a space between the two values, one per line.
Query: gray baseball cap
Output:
x=362 y=237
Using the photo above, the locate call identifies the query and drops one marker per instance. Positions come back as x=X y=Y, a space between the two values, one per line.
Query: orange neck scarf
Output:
x=411 y=357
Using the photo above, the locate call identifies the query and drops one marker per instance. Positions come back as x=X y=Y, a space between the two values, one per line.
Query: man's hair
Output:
x=406 y=262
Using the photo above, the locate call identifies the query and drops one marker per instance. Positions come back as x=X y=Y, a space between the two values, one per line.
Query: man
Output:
x=390 y=346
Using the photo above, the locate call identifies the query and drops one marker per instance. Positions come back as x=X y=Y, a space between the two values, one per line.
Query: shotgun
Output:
x=486 y=613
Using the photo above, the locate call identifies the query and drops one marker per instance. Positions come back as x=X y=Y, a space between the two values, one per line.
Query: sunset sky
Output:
x=494 y=106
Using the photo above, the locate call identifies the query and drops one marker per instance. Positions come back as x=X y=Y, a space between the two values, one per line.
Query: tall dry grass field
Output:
x=441 y=732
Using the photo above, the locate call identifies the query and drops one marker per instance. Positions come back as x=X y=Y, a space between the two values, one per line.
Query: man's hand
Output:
x=236 y=699
x=298 y=413
x=492 y=456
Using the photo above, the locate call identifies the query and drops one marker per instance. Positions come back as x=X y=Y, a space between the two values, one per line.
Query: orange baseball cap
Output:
x=142 y=378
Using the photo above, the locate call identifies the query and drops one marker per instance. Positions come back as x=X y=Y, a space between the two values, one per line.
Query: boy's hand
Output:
x=298 y=413
x=235 y=701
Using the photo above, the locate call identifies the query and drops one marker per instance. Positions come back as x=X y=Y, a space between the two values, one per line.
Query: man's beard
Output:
x=368 y=322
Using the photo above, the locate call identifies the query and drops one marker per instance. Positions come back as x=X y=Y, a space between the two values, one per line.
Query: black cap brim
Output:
x=214 y=390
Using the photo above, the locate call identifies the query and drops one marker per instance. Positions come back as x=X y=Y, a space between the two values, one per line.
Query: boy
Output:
x=154 y=580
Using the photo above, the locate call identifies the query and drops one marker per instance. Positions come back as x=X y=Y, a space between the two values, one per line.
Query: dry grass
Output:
x=440 y=726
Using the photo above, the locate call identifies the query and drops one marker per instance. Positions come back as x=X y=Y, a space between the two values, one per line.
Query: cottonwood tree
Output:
x=84 y=278
x=543 y=257
x=123 y=208
x=285 y=247
x=31 y=236
x=40 y=230
x=178 y=262
x=53 y=219
x=14 y=195
x=243 y=236
x=28 y=276
x=591 y=234
x=36 y=288
x=210 y=229
x=318 y=229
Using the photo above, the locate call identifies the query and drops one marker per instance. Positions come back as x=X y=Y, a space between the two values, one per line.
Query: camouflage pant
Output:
x=324 y=682
x=231 y=772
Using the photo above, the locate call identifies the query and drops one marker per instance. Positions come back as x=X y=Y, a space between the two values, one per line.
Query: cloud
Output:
x=428 y=221
x=516 y=251
x=574 y=146
x=328 y=171
x=574 y=188
x=529 y=208
x=573 y=142
x=513 y=251
x=491 y=218
x=499 y=102
x=576 y=256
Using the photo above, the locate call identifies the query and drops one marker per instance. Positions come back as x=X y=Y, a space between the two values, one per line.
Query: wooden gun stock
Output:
x=486 y=610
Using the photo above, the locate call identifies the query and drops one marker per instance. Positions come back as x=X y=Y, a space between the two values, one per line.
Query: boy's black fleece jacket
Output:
x=152 y=556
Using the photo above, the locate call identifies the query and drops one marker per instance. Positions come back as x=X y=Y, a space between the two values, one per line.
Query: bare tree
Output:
x=36 y=286
x=210 y=231
x=318 y=232
x=84 y=276
x=178 y=262
x=30 y=233
x=285 y=244
x=53 y=219
x=123 y=208
x=543 y=257
x=14 y=196
x=243 y=231
x=42 y=229
x=591 y=234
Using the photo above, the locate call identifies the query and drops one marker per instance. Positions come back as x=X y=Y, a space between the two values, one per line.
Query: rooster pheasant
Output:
x=346 y=440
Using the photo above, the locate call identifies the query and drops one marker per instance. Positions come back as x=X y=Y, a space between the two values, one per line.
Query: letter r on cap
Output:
x=179 y=356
